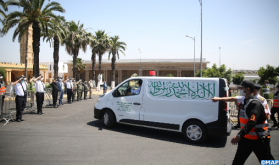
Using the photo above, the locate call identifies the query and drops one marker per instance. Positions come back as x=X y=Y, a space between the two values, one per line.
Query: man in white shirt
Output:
x=40 y=91
x=20 y=92
x=25 y=85
x=69 y=86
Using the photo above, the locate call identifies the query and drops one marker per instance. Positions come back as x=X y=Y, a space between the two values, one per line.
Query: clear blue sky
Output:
x=247 y=31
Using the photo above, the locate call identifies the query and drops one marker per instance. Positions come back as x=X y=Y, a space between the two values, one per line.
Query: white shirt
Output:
x=135 y=91
x=40 y=86
x=240 y=99
x=69 y=85
x=24 y=85
x=19 y=89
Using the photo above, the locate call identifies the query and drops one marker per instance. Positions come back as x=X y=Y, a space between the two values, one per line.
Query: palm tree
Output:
x=116 y=46
x=33 y=14
x=80 y=66
x=2 y=12
x=93 y=44
x=103 y=45
x=56 y=34
x=75 y=40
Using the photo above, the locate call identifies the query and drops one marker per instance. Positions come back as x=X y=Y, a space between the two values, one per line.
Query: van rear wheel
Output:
x=194 y=132
x=108 y=119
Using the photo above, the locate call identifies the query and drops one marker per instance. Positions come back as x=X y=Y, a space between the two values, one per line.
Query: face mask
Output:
x=22 y=81
x=242 y=93
x=1 y=77
x=267 y=85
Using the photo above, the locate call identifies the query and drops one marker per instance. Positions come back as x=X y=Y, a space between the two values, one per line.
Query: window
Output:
x=129 y=88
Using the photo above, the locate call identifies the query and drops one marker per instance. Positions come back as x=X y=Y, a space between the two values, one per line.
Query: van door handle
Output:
x=136 y=103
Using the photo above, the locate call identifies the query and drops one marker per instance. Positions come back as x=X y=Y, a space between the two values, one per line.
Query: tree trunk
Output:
x=36 y=48
x=74 y=65
x=56 y=56
x=27 y=33
x=113 y=59
x=93 y=58
x=100 y=62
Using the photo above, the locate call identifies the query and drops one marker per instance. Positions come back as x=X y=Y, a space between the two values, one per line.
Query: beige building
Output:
x=14 y=70
x=125 y=68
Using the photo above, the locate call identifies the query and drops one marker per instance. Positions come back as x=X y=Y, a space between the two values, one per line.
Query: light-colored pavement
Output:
x=70 y=135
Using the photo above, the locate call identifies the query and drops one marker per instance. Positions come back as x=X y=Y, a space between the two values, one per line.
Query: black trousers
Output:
x=25 y=100
x=69 y=95
x=85 y=94
x=19 y=106
x=40 y=101
x=54 y=98
x=246 y=146
x=273 y=111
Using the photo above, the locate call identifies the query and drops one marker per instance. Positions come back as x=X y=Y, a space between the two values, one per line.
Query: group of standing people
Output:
x=74 y=90
x=21 y=87
x=253 y=115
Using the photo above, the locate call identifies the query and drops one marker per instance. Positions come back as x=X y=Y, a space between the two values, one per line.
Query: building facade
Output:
x=62 y=70
x=125 y=68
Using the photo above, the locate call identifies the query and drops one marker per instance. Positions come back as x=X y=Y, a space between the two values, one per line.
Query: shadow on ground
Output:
x=175 y=137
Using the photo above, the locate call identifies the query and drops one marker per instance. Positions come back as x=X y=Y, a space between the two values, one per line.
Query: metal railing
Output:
x=8 y=105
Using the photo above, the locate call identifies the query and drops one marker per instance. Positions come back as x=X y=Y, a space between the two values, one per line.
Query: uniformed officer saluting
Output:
x=254 y=135
x=275 y=108
x=40 y=94
x=20 y=91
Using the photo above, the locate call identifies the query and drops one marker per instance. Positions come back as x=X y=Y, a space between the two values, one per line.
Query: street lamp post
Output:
x=194 y=55
x=140 y=62
x=201 y=36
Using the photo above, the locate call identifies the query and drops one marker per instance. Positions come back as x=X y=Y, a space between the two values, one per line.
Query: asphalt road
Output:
x=70 y=135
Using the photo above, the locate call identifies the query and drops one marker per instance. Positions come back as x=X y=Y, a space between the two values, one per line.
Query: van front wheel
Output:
x=108 y=119
x=194 y=131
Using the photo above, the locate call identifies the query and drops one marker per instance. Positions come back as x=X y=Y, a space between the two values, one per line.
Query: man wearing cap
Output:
x=55 y=89
x=2 y=91
x=79 y=90
x=60 y=90
x=25 y=96
x=69 y=86
x=275 y=108
x=40 y=93
x=266 y=91
x=254 y=135
x=20 y=91
x=74 y=90
x=85 y=90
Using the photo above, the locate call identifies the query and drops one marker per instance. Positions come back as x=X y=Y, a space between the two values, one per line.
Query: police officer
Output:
x=2 y=91
x=74 y=90
x=20 y=92
x=85 y=90
x=275 y=108
x=105 y=87
x=69 y=86
x=26 y=85
x=262 y=100
x=79 y=90
x=55 y=89
x=40 y=93
x=61 y=89
x=266 y=91
x=254 y=135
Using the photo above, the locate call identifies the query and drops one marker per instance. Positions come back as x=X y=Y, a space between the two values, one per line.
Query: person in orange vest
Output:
x=254 y=135
x=2 y=91
x=275 y=108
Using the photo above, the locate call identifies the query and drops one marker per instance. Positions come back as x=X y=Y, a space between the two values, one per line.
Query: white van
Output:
x=178 y=104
